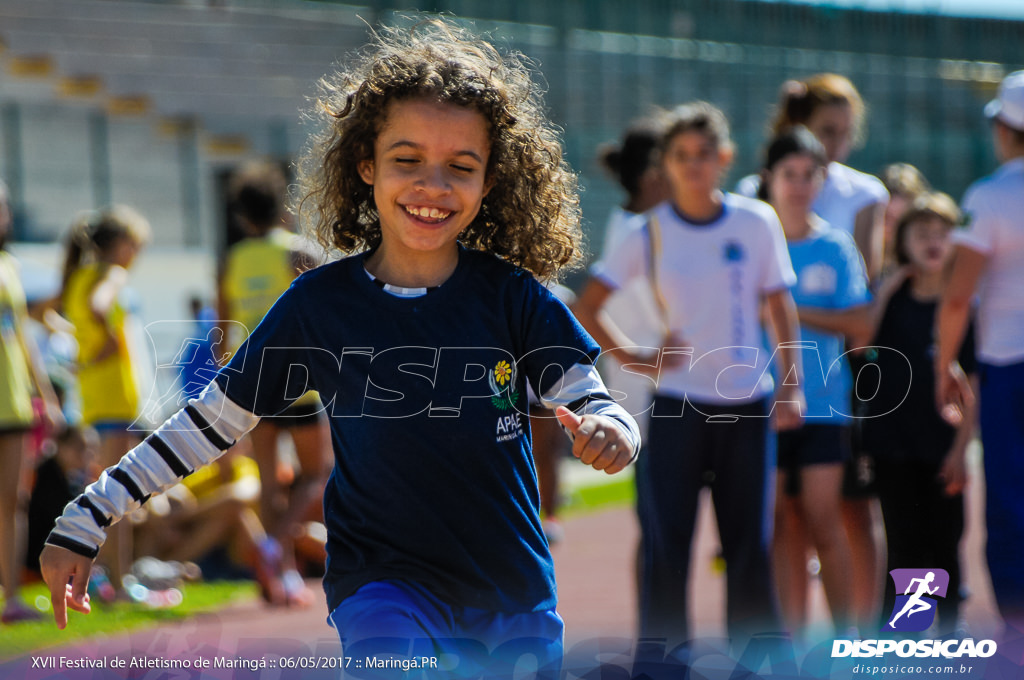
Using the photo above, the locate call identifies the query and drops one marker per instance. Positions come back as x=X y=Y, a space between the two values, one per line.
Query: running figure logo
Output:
x=915 y=608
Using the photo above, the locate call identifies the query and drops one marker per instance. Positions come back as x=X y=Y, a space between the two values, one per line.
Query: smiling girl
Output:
x=443 y=185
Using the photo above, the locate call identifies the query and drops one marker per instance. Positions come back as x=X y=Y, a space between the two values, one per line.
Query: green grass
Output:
x=113 y=619
x=617 y=492
x=120 y=618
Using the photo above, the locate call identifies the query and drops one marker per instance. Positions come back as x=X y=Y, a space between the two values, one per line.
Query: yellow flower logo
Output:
x=502 y=372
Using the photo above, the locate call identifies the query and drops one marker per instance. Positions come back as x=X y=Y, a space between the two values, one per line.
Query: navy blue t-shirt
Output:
x=433 y=479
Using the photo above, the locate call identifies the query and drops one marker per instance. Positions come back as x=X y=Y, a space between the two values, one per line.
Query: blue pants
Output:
x=386 y=624
x=736 y=459
x=1002 y=436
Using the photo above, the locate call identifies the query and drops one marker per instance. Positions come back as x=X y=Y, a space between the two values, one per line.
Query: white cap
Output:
x=1008 y=106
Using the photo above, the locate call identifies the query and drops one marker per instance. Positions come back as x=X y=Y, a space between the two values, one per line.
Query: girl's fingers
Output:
x=79 y=606
x=569 y=420
x=614 y=458
x=59 y=598
x=592 y=447
x=79 y=588
x=608 y=452
x=595 y=442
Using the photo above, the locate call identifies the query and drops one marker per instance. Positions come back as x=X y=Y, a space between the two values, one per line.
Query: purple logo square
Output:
x=917 y=591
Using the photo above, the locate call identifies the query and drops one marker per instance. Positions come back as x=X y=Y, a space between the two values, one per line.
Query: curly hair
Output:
x=531 y=215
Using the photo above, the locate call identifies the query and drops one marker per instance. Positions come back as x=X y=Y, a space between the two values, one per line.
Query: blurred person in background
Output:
x=255 y=272
x=905 y=183
x=988 y=262
x=210 y=518
x=54 y=336
x=60 y=477
x=22 y=376
x=829 y=275
x=920 y=458
x=713 y=259
x=633 y=163
x=101 y=249
x=830 y=106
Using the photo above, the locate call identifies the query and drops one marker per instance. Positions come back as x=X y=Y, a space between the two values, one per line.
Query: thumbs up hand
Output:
x=597 y=440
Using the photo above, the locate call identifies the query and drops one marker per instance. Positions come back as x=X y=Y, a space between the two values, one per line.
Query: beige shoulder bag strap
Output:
x=653 y=255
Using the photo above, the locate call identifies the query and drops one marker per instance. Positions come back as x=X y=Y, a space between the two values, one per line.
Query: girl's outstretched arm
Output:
x=195 y=436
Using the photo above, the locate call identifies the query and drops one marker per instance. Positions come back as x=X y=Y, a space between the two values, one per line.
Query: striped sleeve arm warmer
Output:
x=583 y=392
x=195 y=436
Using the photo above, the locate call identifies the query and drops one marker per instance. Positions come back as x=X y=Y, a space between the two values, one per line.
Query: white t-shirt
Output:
x=713 y=277
x=632 y=308
x=620 y=223
x=845 y=193
x=994 y=209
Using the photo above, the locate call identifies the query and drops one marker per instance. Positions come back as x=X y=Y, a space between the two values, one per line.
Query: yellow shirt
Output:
x=108 y=389
x=257 y=271
x=15 y=378
x=206 y=481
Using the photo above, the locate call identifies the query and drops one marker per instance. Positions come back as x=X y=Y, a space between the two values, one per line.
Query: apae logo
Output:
x=915 y=608
x=502 y=381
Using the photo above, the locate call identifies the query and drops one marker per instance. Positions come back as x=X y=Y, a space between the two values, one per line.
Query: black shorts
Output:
x=298 y=415
x=810 y=445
